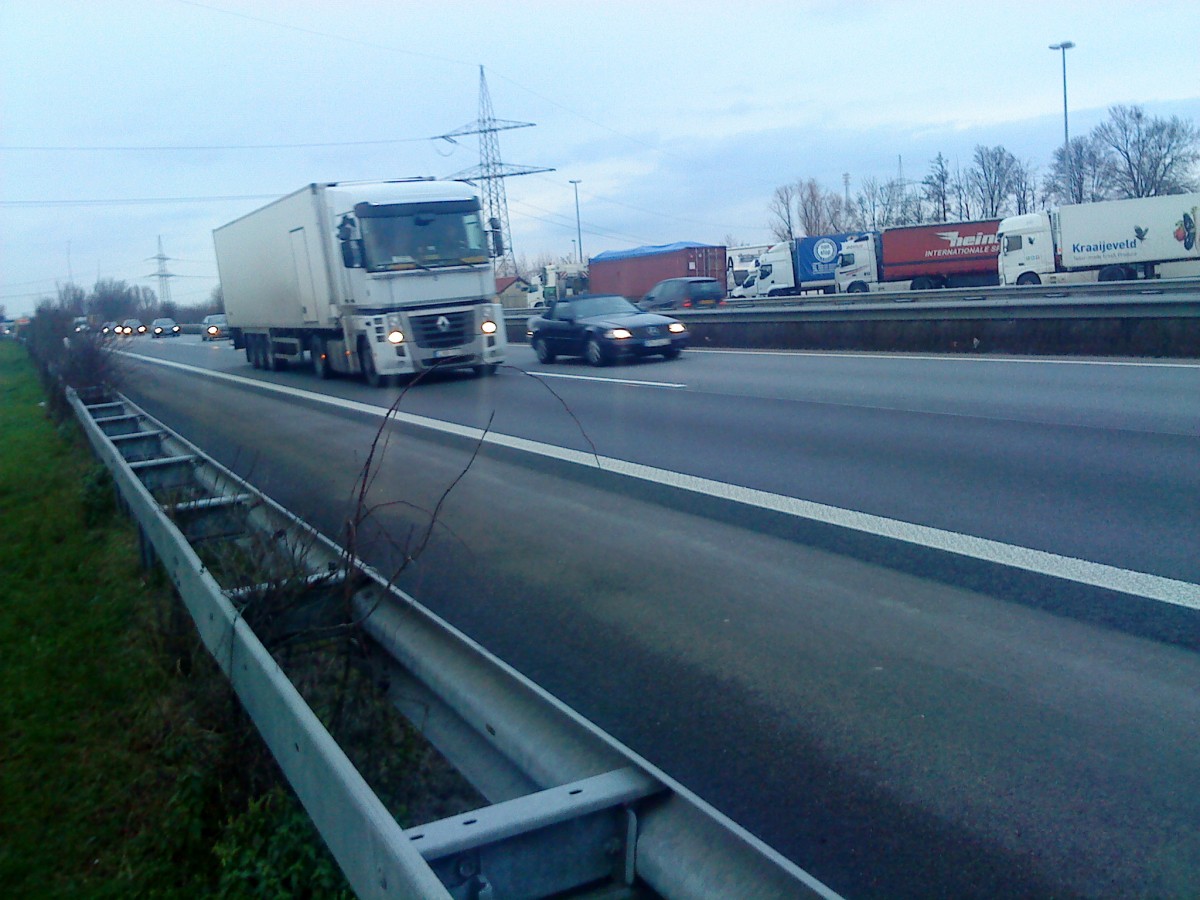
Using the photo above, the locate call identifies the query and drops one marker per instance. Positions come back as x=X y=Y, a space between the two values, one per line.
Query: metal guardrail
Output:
x=1051 y=298
x=571 y=807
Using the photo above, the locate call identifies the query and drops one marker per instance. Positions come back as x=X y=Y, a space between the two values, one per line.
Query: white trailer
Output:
x=379 y=279
x=1114 y=240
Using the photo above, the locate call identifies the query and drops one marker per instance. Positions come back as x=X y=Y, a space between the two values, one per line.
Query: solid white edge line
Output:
x=1041 y=562
x=949 y=357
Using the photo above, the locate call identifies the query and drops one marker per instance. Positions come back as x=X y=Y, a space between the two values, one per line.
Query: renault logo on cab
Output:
x=443 y=324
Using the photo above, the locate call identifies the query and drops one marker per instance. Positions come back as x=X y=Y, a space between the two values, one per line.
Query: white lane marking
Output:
x=1146 y=364
x=629 y=381
x=1126 y=581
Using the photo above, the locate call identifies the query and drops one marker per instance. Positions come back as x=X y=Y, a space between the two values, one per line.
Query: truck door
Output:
x=301 y=265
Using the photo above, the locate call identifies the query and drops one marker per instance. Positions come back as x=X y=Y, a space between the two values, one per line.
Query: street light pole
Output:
x=578 y=230
x=1064 y=46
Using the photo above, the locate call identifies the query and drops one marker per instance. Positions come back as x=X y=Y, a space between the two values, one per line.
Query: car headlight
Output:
x=212 y=329
x=176 y=329
x=619 y=334
x=141 y=329
x=488 y=327
x=395 y=336
x=158 y=331
x=676 y=328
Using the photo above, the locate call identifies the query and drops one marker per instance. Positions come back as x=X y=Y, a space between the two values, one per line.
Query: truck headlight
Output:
x=488 y=327
x=395 y=336
x=676 y=328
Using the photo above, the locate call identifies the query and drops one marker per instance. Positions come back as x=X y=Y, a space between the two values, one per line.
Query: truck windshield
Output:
x=399 y=237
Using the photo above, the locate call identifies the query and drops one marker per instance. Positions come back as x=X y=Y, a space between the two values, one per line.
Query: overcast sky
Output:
x=679 y=118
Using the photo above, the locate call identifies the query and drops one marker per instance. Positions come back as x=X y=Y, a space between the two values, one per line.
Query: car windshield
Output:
x=411 y=236
x=602 y=306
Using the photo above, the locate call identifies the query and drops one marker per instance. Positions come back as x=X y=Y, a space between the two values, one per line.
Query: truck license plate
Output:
x=440 y=354
x=658 y=342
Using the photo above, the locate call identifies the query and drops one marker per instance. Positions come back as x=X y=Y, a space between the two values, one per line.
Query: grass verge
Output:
x=127 y=768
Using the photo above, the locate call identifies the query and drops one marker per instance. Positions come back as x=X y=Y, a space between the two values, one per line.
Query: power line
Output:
x=190 y=147
x=133 y=201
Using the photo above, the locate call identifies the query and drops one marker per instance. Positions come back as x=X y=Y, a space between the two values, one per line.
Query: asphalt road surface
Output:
x=899 y=720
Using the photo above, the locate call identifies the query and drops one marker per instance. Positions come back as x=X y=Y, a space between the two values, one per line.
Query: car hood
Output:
x=628 y=320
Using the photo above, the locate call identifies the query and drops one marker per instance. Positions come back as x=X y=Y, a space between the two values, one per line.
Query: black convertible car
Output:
x=602 y=328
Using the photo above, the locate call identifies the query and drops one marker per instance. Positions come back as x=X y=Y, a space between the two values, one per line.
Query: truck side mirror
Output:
x=497 y=237
x=352 y=254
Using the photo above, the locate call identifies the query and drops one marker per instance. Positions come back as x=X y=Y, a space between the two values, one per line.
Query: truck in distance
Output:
x=377 y=279
x=1112 y=240
x=557 y=280
x=791 y=268
x=920 y=258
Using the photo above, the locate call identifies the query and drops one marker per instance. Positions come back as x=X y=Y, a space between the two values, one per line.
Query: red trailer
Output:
x=632 y=273
x=921 y=257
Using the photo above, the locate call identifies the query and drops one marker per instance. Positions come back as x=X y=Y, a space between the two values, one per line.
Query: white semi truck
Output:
x=1113 y=240
x=375 y=279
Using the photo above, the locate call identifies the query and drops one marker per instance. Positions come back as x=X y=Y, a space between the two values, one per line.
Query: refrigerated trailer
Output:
x=1113 y=240
x=376 y=279
x=920 y=257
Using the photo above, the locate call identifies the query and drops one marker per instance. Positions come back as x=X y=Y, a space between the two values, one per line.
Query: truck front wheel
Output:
x=1028 y=278
x=366 y=365
x=857 y=287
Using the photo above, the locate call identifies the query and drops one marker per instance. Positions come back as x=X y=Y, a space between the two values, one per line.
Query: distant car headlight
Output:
x=175 y=328
x=158 y=330
x=676 y=328
x=395 y=336
x=141 y=329
x=619 y=334
x=488 y=327
x=213 y=329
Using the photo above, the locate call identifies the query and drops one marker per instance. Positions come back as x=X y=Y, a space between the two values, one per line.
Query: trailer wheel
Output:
x=251 y=356
x=270 y=359
x=260 y=351
x=320 y=358
x=1028 y=278
x=366 y=365
x=1113 y=273
x=486 y=370
x=923 y=283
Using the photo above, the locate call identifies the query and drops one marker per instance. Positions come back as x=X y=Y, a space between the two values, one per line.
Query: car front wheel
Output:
x=595 y=353
x=543 y=352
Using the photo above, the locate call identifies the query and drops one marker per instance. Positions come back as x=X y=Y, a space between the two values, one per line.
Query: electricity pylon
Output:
x=492 y=172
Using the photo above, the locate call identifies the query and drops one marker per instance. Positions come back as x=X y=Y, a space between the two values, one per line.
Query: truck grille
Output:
x=441 y=330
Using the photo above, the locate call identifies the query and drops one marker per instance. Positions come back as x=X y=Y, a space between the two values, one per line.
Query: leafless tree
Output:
x=782 y=212
x=990 y=179
x=1085 y=175
x=1151 y=156
x=1024 y=187
x=937 y=189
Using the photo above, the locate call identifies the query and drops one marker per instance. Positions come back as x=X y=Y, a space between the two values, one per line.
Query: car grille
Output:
x=650 y=332
x=447 y=329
